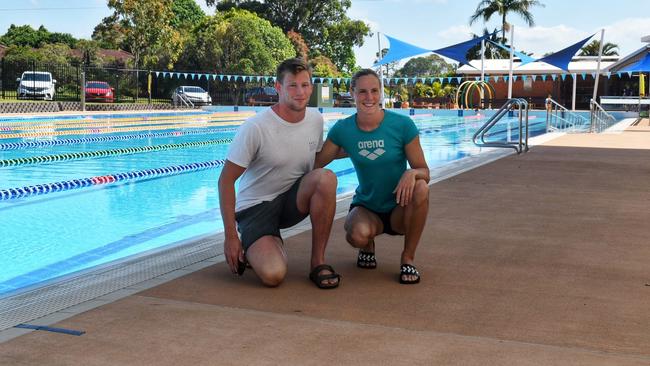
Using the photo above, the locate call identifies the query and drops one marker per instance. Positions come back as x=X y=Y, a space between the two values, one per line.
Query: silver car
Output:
x=194 y=94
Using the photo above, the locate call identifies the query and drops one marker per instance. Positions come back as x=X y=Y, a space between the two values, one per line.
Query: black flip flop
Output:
x=408 y=270
x=318 y=278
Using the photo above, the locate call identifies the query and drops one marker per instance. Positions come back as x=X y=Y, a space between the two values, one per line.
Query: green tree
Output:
x=323 y=24
x=57 y=53
x=187 y=15
x=110 y=33
x=299 y=44
x=487 y=8
x=89 y=52
x=324 y=67
x=147 y=29
x=22 y=54
x=592 y=49
x=432 y=65
x=491 y=51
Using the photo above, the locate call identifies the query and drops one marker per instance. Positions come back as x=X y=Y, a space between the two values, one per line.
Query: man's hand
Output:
x=404 y=190
x=234 y=253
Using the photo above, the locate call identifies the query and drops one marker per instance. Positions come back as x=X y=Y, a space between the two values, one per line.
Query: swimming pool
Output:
x=105 y=187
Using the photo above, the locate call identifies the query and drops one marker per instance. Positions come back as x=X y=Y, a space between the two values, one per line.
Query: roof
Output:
x=630 y=59
x=580 y=64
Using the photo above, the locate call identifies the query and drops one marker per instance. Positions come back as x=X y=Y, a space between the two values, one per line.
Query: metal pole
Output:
x=83 y=91
x=381 y=74
x=600 y=55
x=573 y=97
x=512 y=56
x=482 y=91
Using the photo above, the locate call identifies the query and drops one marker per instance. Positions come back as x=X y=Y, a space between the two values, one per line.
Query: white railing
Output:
x=522 y=144
x=600 y=119
x=558 y=118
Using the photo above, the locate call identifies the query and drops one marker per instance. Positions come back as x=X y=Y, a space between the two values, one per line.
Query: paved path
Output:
x=539 y=259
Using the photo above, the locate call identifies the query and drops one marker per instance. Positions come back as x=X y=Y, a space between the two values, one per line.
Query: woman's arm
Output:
x=329 y=152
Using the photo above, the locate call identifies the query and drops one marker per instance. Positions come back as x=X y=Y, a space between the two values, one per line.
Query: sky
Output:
x=429 y=24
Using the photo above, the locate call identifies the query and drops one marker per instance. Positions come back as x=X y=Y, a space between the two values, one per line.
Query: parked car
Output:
x=99 y=91
x=343 y=100
x=261 y=96
x=194 y=94
x=36 y=84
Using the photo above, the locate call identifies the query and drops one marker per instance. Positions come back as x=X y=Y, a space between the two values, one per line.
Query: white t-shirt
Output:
x=275 y=154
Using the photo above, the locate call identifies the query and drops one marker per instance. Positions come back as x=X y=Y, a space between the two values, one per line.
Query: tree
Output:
x=25 y=35
x=324 y=67
x=110 y=33
x=89 y=52
x=187 y=15
x=491 y=51
x=487 y=8
x=592 y=49
x=432 y=65
x=299 y=44
x=323 y=24
x=57 y=53
x=148 y=30
x=391 y=67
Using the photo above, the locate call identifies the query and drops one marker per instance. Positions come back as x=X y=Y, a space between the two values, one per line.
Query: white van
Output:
x=36 y=84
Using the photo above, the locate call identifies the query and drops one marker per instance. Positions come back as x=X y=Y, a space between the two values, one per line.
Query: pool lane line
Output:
x=39 y=189
x=85 y=140
x=95 y=131
x=105 y=153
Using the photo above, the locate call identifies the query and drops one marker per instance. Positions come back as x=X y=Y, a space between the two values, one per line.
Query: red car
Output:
x=99 y=91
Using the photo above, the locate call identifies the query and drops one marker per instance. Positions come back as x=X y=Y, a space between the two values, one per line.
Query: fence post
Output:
x=83 y=90
x=3 y=73
x=149 y=85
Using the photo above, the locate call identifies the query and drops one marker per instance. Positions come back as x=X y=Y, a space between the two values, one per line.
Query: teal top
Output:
x=378 y=157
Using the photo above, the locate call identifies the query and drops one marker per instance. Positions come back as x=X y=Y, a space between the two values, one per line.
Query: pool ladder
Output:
x=512 y=104
x=559 y=118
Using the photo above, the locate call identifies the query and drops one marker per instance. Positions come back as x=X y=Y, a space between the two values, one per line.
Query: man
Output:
x=275 y=151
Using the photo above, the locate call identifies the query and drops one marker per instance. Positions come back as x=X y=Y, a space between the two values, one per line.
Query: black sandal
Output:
x=408 y=270
x=318 y=278
x=366 y=260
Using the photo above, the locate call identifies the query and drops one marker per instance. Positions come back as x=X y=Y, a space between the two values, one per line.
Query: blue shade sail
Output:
x=525 y=59
x=399 y=50
x=458 y=52
x=641 y=66
x=561 y=59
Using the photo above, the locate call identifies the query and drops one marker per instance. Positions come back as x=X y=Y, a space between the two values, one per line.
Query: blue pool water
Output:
x=55 y=234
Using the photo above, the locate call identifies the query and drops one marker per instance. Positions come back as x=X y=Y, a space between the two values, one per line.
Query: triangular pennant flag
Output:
x=544 y=77
x=157 y=73
x=584 y=75
x=524 y=77
x=477 y=78
x=506 y=78
x=534 y=77
x=221 y=77
x=609 y=75
x=629 y=74
x=514 y=78
x=496 y=78
x=459 y=79
x=619 y=74
x=593 y=75
x=554 y=77
x=563 y=77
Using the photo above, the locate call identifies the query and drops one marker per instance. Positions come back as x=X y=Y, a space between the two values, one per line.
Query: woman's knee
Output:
x=421 y=192
x=358 y=235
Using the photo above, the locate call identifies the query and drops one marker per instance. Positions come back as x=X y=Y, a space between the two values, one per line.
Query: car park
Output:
x=99 y=91
x=36 y=85
x=343 y=99
x=194 y=94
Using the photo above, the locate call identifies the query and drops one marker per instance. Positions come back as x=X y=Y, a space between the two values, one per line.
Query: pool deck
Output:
x=536 y=259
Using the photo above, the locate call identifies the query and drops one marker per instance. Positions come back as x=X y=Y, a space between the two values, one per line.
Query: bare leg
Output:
x=268 y=259
x=410 y=220
x=361 y=227
x=317 y=196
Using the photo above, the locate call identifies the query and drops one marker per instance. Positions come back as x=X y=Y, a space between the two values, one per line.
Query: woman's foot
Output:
x=408 y=274
x=366 y=258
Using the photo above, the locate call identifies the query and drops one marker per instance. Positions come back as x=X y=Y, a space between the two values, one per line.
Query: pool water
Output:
x=45 y=236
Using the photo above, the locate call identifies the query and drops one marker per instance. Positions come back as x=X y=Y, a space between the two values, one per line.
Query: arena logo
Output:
x=376 y=146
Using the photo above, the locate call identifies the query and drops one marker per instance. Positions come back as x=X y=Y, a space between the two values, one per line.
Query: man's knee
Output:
x=326 y=180
x=271 y=276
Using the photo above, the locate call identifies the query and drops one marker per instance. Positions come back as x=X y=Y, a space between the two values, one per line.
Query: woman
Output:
x=390 y=198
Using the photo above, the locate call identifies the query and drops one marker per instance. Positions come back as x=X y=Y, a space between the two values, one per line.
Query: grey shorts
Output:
x=268 y=217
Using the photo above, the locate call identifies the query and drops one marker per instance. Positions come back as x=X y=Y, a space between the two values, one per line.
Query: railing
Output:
x=600 y=119
x=184 y=99
x=522 y=144
x=558 y=118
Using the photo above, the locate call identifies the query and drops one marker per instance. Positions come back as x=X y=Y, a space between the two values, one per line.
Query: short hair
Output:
x=360 y=73
x=292 y=65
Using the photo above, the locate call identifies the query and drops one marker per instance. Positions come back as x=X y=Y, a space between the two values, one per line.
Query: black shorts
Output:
x=383 y=216
x=268 y=217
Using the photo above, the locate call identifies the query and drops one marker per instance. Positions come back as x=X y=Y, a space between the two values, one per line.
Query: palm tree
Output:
x=487 y=8
x=609 y=49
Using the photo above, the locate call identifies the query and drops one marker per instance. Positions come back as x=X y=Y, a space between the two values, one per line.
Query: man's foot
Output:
x=408 y=274
x=324 y=277
x=366 y=257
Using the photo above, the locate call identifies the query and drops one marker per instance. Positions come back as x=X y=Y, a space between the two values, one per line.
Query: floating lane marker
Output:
x=105 y=153
x=85 y=140
x=28 y=191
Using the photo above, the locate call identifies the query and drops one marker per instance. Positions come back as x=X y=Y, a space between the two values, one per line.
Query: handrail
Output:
x=186 y=100
x=521 y=145
x=600 y=119
x=559 y=118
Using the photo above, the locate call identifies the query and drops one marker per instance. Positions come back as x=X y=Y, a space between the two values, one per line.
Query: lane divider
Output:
x=76 y=126
x=85 y=140
x=105 y=153
x=39 y=189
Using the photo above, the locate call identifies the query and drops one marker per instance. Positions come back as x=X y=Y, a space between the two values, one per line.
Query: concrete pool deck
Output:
x=537 y=259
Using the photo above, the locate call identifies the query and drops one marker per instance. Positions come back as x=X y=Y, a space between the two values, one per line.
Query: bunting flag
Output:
x=584 y=76
x=544 y=77
x=563 y=77
x=399 y=50
x=514 y=78
x=554 y=77
x=525 y=59
x=561 y=59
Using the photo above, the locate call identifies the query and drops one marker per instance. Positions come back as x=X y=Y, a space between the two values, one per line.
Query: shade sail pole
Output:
x=481 y=91
x=600 y=56
x=574 y=76
x=381 y=73
x=512 y=56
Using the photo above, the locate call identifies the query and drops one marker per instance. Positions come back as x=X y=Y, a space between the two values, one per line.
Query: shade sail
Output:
x=399 y=50
x=561 y=59
x=525 y=59
x=458 y=52
x=641 y=66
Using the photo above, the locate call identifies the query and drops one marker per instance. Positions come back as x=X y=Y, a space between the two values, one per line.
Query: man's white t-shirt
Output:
x=275 y=154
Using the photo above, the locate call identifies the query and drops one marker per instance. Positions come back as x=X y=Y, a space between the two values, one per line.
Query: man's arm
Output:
x=232 y=247
x=329 y=152
x=419 y=170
